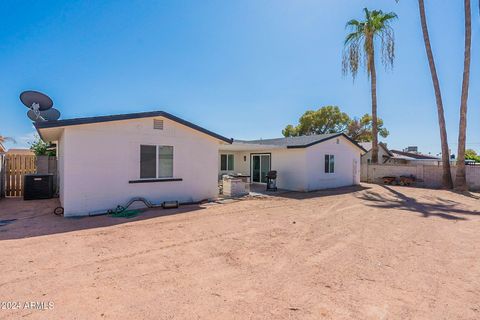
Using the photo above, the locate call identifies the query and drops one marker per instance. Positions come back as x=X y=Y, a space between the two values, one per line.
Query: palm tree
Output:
x=460 y=179
x=447 y=175
x=4 y=139
x=359 y=49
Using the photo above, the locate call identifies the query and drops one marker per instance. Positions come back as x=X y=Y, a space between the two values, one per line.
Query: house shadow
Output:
x=295 y=195
x=438 y=207
x=26 y=222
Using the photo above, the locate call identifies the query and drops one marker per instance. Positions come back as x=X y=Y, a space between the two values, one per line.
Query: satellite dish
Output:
x=34 y=116
x=47 y=115
x=36 y=100
x=50 y=114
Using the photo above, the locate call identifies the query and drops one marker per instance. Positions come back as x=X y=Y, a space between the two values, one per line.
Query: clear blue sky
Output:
x=244 y=69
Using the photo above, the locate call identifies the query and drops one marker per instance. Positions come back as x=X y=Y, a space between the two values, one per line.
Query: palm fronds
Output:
x=359 y=44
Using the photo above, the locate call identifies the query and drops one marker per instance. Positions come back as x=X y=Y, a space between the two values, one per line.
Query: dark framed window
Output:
x=148 y=162
x=329 y=163
x=156 y=162
x=227 y=162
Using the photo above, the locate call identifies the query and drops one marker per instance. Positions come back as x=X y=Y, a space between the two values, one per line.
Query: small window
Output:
x=156 y=162
x=329 y=163
x=226 y=162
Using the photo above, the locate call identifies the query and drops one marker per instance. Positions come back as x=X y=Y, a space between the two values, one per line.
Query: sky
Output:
x=244 y=69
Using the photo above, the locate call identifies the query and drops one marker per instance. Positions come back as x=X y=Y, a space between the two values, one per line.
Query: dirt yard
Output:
x=371 y=252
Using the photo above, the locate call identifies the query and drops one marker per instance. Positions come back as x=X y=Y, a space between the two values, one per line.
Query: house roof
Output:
x=368 y=146
x=129 y=116
x=412 y=155
x=298 y=142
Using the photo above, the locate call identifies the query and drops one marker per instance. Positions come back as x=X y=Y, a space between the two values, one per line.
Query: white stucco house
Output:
x=105 y=161
x=391 y=156
x=304 y=163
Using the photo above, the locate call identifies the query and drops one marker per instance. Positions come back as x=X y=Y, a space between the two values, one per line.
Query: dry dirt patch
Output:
x=356 y=253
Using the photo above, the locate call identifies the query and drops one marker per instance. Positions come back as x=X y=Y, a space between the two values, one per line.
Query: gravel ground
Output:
x=368 y=252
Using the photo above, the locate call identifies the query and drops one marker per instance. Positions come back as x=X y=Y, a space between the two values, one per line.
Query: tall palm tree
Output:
x=359 y=49
x=460 y=179
x=447 y=175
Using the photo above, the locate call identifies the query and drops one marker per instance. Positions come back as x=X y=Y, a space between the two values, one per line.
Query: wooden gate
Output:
x=16 y=167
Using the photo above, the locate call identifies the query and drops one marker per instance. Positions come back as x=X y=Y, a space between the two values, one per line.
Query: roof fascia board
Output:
x=100 y=119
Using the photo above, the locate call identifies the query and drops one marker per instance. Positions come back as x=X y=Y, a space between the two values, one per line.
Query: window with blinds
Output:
x=156 y=162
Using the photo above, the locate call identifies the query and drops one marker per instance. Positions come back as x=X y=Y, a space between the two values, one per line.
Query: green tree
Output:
x=361 y=130
x=471 y=154
x=360 y=49
x=461 y=179
x=40 y=148
x=328 y=119
x=290 y=131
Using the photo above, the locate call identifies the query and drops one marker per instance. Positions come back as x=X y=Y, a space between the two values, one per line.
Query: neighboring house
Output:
x=105 y=161
x=383 y=153
x=393 y=157
x=386 y=156
x=403 y=157
x=303 y=163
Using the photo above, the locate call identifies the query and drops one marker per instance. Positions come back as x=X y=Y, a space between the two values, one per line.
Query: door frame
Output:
x=269 y=154
x=355 y=171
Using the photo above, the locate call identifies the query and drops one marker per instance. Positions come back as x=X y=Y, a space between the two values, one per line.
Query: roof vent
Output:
x=157 y=124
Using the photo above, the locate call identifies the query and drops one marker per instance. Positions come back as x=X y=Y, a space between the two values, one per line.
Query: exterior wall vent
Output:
x=157 y=124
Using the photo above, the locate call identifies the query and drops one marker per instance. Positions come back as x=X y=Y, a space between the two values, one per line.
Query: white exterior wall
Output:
x=97 y=161
x=291 y=169
x=345 y=152
x=239 y=165
x=61 y=166
x=289 y=164
x=303 y=169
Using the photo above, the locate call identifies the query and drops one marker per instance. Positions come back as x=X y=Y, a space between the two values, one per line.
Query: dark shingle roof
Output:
x=128 y=116
x=298 y=142
x=414 y=155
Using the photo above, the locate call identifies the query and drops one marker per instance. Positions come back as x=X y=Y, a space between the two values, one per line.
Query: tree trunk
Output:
x=373 y=83
x=460 y=179
x=447 y=175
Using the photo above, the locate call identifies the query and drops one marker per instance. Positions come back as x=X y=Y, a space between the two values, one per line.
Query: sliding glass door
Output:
x=260 y=165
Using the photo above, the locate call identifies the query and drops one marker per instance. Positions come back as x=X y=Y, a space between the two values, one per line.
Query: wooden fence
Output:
x=16 y=166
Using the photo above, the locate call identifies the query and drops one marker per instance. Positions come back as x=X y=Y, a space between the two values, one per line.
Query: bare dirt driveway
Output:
x=370 y=252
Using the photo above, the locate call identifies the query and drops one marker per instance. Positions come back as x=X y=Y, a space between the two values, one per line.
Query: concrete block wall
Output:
x=429 y=176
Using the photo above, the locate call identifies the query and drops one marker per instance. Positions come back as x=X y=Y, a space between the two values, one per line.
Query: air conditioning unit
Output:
x=38 y=186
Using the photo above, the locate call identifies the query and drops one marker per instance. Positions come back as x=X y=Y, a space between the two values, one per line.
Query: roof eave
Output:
x=100 y=119
x=326 y=139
